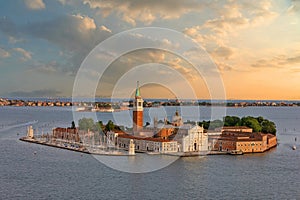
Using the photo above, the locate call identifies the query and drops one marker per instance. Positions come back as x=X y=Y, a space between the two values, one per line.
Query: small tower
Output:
x=30 y=132
x=177 y=119
x=131 y=150
x=138 y=111
x=155 y=122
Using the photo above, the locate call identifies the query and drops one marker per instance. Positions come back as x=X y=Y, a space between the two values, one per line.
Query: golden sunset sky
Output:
x=255 y=46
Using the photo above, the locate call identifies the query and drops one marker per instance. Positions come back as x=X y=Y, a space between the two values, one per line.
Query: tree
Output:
x=110 y=126
x=251 y=122
x=215 y=124
x=232 y=121
x=73 y=126
x=86 y=124
x=260 y=119
x=99 y=127
x=204 y=123
x=258 y=124
x=268 y=127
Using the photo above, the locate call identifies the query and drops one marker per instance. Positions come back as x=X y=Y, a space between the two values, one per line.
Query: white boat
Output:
x=236 y=152
x=106 y=110
x=294 y=147
x=78 y=109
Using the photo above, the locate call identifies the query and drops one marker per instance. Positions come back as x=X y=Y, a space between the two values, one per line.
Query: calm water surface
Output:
x=59 y=174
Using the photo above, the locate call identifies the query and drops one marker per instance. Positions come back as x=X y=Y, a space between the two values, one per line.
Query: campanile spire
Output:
x=138 y=111
x=137 y=90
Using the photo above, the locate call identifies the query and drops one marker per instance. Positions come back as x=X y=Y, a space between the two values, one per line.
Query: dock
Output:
x=80 y=149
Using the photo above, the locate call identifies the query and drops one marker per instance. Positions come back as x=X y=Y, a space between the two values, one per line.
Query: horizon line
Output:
x=118 y=98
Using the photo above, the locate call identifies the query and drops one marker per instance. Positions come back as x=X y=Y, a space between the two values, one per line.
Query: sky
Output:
x=254 y=47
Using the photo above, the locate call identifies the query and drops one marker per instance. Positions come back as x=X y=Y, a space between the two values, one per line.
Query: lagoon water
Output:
x=31 y=171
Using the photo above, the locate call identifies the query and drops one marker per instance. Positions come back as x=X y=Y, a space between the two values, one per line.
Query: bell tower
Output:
x=137 y=111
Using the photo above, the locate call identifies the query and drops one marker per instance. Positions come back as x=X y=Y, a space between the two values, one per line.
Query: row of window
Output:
x=252 y=144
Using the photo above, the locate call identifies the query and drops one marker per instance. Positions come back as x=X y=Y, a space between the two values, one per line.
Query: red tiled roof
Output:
x=237 y=137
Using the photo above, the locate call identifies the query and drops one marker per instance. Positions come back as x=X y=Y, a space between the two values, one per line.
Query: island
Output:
x=231 y=135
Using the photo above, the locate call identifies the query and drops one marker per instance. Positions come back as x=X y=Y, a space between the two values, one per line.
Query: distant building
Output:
x=177 y=119
x=247 y=142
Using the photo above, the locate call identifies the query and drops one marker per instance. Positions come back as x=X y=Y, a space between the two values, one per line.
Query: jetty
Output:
x=86 y=148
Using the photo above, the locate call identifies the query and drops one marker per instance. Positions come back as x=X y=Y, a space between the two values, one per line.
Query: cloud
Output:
x=224 y=52
x=295 y=70
x=46 y=68
x=86 y=23
x=103 y=28
x=75 y=34
x=220 y=33
x=63 y=2
x=53 y=67
x=133 y=11
x=279 y=61
x=293 y=60
x=231 y=17
x=192 y=31
x=224 y=66
x=152 y=62
x=4 y=53
x=294 y=7
x=261 y=12
x=14 y=40
x=224 y=25
x=36 y=93
x=72 y=32
x=183 y=68
x=26 y=54
x=35 y=4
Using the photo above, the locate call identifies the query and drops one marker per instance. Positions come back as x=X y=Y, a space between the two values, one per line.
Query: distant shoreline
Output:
x=117 y=103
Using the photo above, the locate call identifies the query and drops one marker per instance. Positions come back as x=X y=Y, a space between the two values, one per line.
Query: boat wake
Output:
x=5 y=128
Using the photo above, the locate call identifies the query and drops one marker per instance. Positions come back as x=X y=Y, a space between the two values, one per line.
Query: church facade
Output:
x=174 y=137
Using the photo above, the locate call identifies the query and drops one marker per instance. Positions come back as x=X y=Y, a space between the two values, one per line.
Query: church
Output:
x=172 y=137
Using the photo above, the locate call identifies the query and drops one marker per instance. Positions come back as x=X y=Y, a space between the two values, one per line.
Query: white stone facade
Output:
x=188 y=139
x=191 y=139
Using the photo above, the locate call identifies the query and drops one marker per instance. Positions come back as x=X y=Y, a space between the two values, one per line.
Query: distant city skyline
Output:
x=254 y=44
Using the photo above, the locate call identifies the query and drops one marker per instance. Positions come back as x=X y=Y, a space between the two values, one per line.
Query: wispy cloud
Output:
x=4 y=53
x=133 y=11
x=35 y=4
x=279 y=61
x=294 y=7
x=26 y=55
x=77 y=34
x=224 y=52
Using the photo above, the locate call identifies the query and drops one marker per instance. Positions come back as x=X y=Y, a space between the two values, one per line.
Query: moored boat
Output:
x=236 y=152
